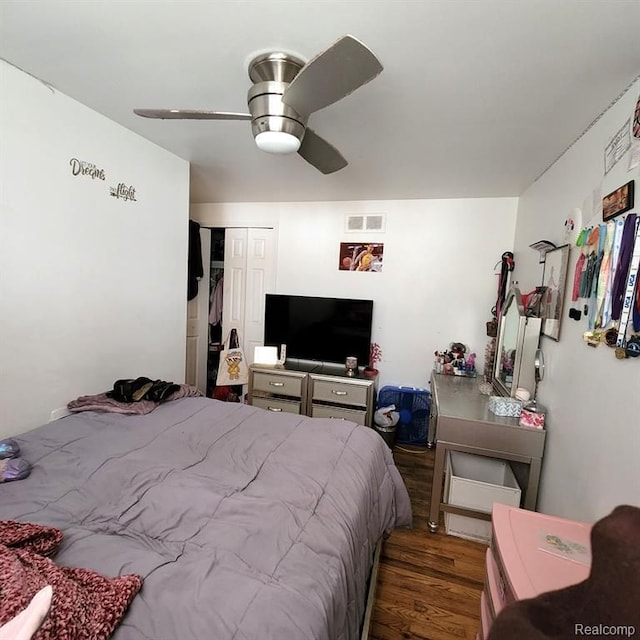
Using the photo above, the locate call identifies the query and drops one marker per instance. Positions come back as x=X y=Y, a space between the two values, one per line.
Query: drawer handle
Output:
x=277 y=384
x=276 y=409
x=336 y=418
x=339 y=393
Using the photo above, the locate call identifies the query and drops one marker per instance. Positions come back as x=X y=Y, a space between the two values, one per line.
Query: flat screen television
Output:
x=321 y=329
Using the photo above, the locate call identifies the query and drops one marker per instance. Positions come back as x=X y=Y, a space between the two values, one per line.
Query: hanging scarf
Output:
x=575 y=293
x=581 y=242
x=636 y=309
x=605 y=268
x=586 y=282
x=615 y=255
x=593 y=300
x=626 y=251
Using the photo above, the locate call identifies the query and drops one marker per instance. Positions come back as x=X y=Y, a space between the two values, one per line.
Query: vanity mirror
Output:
x=516 y=348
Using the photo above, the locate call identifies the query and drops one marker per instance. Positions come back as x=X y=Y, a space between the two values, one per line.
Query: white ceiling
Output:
x=477 y=97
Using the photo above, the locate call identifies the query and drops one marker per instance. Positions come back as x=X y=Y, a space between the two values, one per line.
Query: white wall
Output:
x=437 y=285
x=592 y=459
x=92 y=288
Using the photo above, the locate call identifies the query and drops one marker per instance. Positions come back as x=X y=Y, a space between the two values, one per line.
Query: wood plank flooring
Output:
x=429 y=584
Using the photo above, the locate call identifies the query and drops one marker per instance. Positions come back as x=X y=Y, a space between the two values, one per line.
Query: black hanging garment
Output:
x=507 y=265
x=194 y=269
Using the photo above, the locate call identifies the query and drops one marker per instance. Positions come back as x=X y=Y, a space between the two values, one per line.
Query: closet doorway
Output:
x=239 y=269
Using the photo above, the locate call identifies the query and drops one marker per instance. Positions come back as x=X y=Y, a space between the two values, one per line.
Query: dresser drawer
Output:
x=276 y=405
x=485 y=618
x=494 y=585
x=340 y=392
x=279 y=384
x=340 y=413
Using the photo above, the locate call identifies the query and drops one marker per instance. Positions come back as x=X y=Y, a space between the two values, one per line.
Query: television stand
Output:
x=319 y=390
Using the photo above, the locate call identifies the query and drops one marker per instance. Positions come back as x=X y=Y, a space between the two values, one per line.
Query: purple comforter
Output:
x=243 y=523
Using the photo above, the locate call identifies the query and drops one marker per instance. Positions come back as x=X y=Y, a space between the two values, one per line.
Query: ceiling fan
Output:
x=286 y=91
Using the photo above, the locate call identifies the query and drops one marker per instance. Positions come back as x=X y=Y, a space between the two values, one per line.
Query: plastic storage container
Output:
x=505 y=406
x=532 y=415
x=476 y=482
x=413 y=404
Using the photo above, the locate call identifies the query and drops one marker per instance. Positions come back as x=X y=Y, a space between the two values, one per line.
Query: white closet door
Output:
x=235 y=275
x=249 y=273
x=198 y=324
x=261 y=270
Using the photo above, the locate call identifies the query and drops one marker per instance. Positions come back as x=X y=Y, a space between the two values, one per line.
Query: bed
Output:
x=243 y=523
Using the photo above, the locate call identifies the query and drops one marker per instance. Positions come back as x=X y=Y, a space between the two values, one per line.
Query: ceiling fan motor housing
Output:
x=271 y=74
x=269 y=113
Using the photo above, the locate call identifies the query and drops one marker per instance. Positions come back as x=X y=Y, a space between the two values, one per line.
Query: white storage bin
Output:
x=476 y=482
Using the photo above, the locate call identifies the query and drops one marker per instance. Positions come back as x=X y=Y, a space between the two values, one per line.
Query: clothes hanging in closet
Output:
x=215 y=310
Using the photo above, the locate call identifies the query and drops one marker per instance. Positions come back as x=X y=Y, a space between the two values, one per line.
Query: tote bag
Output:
x=233 y=368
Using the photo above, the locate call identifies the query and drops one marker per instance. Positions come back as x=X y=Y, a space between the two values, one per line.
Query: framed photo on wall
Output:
x=361 y=256
x=617 y=201
x=554 y=281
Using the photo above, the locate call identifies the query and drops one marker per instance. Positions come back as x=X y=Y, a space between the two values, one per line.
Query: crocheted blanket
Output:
x=85 y=604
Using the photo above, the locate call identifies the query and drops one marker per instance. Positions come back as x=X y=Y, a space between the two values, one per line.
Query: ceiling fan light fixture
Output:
x=285 y=91
x=277 y=142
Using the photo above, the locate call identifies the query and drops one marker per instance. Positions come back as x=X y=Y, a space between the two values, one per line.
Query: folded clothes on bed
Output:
x=151 y=399
x=85 y=604
x=135 y=390
x=14 y=469
x=9 y=448
x=12 y=466
x=102 y=402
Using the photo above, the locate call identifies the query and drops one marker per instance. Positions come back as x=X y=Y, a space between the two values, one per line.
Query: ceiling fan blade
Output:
x=319 y=153
x=189 y=114
x=333 y=74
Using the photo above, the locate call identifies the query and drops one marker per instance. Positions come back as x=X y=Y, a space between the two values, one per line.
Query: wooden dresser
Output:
x=323 y=391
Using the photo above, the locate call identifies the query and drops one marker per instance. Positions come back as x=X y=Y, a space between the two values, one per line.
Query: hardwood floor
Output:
x=429 y=584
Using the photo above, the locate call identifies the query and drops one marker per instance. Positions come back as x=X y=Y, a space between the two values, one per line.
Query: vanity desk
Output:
x=460 y=420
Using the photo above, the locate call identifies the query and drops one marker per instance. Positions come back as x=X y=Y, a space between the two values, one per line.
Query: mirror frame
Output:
x=554 y=281
x=527 y=341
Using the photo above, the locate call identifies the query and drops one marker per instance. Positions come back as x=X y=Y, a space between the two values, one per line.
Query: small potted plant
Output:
x=375 y=355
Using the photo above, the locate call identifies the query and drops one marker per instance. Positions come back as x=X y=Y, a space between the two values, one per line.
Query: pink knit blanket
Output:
x=85 y=604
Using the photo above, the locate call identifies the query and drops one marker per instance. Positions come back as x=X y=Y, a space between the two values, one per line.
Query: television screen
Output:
x=324 y=329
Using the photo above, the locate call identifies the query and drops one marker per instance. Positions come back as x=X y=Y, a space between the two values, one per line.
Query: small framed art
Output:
x=618 y=201
x=361 y=256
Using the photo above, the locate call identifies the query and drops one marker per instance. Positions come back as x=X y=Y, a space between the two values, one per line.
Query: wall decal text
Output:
x=123 y=192
x=82 y=168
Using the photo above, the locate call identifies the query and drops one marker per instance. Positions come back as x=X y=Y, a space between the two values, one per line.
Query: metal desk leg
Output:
x=531 y=496
x=436 y=489
x=431 y=428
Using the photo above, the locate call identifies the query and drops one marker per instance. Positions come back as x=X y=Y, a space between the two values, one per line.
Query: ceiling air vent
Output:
x=368 y=222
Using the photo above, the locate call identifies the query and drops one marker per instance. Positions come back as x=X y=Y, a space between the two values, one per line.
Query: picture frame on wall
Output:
x=554 y=281
x=361 y=256
x=618 y=201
